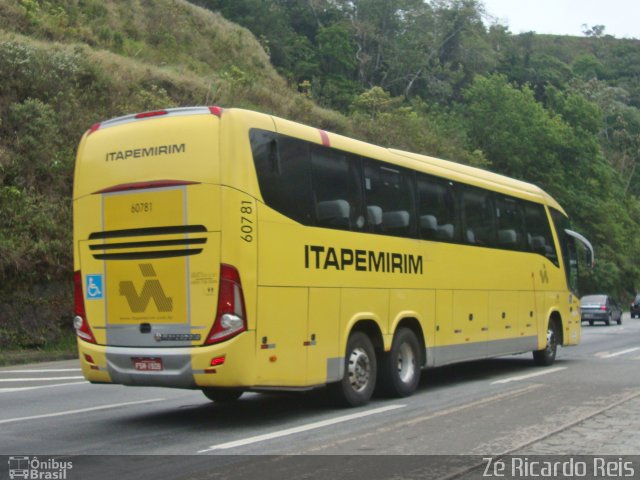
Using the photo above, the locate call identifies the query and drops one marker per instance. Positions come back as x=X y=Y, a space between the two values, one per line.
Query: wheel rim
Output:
x=359 y=369
x=406 y=363
x=551 y=341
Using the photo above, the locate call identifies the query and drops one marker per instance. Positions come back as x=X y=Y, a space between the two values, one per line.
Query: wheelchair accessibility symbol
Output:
x=94 y=287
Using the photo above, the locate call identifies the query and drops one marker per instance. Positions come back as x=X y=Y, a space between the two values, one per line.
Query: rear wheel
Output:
x=360 y=372
x=620 y=319
x=222 y=395
x=608 y=320
x=591 y=323
x=400 y=368
x=547 y=355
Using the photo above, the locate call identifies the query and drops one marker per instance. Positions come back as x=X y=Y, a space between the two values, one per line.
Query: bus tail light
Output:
x=231 y=315
x=80 y=319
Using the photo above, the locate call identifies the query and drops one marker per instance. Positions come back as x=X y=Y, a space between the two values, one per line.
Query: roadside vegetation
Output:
x=430 y=77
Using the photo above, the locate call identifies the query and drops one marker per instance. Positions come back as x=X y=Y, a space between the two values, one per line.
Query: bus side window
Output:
x=337 y=193
x=284 y=173
x=538 y=231
x=509 y=221
x=478 y=216
x=437 y=209
x=389 y=191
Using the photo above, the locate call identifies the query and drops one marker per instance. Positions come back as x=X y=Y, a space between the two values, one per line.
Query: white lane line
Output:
x=46 y=370
x=622 y=352
x=530 y=375
x=38 y=379
x=21 y=389
x=378 y=433
x=80 y=410
x=301 y=428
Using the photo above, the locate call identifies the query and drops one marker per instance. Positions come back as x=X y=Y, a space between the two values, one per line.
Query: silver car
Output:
x=600 y=308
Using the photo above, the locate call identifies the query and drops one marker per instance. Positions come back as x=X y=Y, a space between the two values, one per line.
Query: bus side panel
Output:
x=503 y=322
x=281 y=356
x=364 y=304
x=470 y=323
x=324 y=357
x=418 y=304
x=527 y=318
x=444 y=329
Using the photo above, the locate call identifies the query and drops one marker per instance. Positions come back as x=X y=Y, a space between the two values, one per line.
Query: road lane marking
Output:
x=530 y=375
x=80 y=410
x=46 y=370
x=38 y=379
x=21 y=389
x=301 y=428
x=379 y=432
x=622 y=352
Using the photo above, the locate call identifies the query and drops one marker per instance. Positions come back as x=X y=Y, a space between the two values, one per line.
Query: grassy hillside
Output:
x=68 y=64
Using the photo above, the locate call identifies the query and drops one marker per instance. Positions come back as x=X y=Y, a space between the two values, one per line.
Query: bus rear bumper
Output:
x=223 y=365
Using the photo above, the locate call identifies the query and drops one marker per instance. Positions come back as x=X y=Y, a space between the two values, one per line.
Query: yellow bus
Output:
x=230 y=251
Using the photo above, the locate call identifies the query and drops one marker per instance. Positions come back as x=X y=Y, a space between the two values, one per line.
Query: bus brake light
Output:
x=80 y=319
x=155 y=113
x=231 y=315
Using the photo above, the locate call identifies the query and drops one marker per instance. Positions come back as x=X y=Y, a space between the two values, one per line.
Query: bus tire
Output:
x=400 y=367
x=360 y=373
x=547 y=355
x=222 y=395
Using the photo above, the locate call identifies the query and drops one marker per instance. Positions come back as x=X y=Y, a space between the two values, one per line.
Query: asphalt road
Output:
x=490 y=408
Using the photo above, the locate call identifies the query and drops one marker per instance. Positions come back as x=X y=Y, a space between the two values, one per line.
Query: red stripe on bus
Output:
x=144 y=185
x=325 y=138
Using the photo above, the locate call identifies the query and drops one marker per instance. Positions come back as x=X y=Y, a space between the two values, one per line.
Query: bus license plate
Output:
x=147 y=364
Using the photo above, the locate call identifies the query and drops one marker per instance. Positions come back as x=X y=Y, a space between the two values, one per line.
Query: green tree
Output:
x=515 y=132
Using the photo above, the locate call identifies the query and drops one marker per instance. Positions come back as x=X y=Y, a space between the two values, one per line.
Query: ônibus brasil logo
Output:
x=38 y=469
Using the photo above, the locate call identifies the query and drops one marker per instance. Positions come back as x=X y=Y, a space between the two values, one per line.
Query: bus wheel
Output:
x=547 y=355
x=359 y=380
x=222 y=395
x=400 y=368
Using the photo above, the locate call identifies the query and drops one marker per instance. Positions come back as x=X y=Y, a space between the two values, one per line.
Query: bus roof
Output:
x=481 y=177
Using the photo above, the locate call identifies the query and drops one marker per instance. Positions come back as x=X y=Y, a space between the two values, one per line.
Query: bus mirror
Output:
x=588 y=258
x=589 y=255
